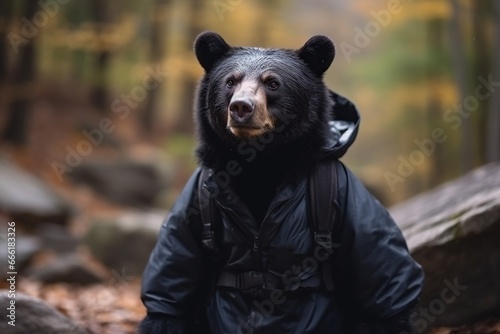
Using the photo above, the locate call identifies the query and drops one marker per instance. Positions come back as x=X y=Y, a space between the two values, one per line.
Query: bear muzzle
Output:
x=247 y=114
x=245 y=119
x=241 y=110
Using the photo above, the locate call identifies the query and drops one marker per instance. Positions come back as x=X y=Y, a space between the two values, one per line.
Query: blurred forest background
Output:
x=64 y=66
x=96 y=98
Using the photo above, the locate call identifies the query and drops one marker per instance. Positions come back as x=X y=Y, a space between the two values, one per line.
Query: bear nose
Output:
x=241 y=109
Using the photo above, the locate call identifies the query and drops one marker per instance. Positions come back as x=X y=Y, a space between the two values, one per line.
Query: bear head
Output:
x=274 y=98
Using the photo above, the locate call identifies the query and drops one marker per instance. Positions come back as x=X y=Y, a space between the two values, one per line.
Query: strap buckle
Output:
x=325 y=240
x=208 y=236
x=251 y=279
x=244 y=280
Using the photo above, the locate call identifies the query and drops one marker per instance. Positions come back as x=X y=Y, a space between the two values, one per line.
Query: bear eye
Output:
x=230 y=83
x=273 y=85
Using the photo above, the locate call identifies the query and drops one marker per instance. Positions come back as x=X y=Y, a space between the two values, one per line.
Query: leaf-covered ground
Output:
x=116 y=308
x=112 y=308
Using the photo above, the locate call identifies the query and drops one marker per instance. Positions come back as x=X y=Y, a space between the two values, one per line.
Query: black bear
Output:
x=266 y=121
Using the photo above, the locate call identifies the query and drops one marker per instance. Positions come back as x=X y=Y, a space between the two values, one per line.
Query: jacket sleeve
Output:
x=383 y=279
x=173 y=276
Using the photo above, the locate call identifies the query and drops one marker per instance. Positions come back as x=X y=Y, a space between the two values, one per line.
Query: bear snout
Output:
x=241 y=109
x=247 y=114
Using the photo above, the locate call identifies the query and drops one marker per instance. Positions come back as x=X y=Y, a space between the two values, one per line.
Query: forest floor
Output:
x=117 y=308
x=101 y=308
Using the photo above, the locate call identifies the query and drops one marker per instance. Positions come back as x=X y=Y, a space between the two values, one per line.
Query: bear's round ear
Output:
x=318 y=53
x=210 y=47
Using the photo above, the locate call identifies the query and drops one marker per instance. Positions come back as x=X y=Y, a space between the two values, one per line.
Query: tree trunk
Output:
x=482 y=67
x=102 y=13
x=157 y=51
x=5 y=14
x=15 y=131
x=460 y=66
x=186 y=123
x=493 y=141
x=435 y=37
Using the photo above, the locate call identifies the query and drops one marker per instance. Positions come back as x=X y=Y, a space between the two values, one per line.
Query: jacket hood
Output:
x=343 y=128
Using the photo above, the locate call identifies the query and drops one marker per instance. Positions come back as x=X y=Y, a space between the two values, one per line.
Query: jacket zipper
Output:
x=256 y=241
x=256 y=246
x=235 y=215
x=252 y=322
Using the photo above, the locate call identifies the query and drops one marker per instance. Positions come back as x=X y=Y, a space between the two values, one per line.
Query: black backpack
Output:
x=324 y=215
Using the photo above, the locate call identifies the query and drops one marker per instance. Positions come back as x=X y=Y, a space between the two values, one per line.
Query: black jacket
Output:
x=375 y=276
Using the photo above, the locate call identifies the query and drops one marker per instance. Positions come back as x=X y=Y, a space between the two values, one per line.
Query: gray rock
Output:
x=123 y=182
x=57 y=238
x=124 y=244
x=453 y=231
x=27 y=198
x=32 y=315
x=26 y=248
x=68 y=268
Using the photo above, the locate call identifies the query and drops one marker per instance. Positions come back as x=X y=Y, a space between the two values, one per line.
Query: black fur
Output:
x=318 y=53
x=209 y=48
x=301 y=108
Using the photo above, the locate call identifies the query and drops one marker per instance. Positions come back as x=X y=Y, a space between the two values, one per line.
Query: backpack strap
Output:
x=208 y=216
x=207 y=211
x=324 y=214
x=323 y=211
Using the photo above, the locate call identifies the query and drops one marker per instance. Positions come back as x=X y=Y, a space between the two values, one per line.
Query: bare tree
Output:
x=6 y=8
x=157 y=51
x=23 y=77
x=102 y=14
x=460 y=69
x=481 y=67
x=435 y=38
x=493 y=141
x=186 y=123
